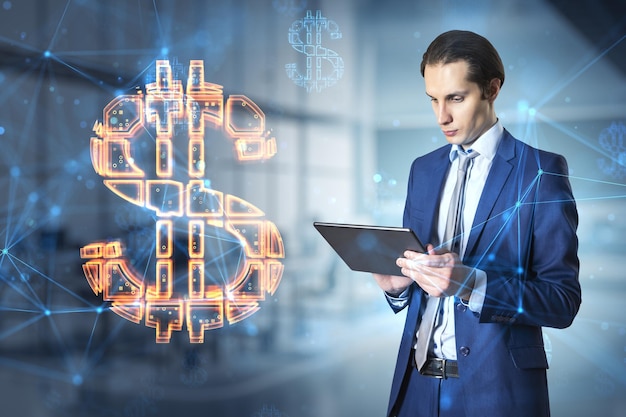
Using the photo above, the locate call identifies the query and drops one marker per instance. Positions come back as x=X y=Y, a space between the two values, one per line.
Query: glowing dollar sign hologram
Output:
x=213 y=225
x=305 y=36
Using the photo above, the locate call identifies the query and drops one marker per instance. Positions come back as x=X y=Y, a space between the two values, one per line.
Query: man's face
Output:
x=462 y=112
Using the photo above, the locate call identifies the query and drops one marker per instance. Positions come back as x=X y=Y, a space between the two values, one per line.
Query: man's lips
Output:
x=450 y=133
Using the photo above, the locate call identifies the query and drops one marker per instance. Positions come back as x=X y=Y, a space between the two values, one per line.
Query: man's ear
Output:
x=494 y=89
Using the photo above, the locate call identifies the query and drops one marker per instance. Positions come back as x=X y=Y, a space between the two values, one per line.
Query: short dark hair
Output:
x=459 y=45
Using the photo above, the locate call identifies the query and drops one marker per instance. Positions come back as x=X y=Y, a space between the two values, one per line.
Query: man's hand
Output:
x=392 y=284
x=439 y=274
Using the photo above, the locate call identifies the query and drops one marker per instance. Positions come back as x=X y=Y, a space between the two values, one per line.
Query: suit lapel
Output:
x=497 y=178
x=434 y=187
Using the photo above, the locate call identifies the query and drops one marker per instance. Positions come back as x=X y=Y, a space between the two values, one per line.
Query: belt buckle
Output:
x=435 y=368
x=442 y=363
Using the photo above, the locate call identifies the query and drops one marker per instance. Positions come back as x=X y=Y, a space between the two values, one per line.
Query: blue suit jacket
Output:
x=524 y=238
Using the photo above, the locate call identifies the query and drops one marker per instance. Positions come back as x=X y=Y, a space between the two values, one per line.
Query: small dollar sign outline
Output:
x=612 y=140
x=312 y=28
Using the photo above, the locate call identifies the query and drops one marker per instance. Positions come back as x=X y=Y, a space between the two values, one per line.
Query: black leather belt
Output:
x=440 y=368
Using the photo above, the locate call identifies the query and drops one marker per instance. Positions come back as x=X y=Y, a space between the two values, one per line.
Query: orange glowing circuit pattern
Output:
x=202 y=304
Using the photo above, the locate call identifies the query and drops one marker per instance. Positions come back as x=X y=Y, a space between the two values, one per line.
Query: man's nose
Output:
x=443 y=115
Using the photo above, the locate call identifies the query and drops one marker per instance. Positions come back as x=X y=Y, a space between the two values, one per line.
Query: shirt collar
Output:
x=486 y=145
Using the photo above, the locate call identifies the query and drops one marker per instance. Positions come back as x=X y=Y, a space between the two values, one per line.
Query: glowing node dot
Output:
x=518 y=204
x=446 y=402
x=540 y=172
x=77 y=379
x=2 y=130
x=47 y=312
x=522 y=106
x=532 y=112
x=520 y=270
x=99 y=310
x=5 y=251
x=47 y=54
x=520 y=309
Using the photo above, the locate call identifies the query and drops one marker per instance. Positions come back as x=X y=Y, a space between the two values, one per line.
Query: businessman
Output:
x=501 y=262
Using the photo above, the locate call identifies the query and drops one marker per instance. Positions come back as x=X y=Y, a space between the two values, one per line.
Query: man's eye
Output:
x=456 y=99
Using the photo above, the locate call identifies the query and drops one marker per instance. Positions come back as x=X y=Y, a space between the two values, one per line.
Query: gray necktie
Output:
x=452 y=238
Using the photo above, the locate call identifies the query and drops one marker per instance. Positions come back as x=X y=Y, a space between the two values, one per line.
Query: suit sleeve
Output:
x=406 y=217
x=532 y=265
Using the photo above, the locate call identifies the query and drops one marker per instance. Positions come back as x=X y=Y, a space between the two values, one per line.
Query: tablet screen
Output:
x=370 y=248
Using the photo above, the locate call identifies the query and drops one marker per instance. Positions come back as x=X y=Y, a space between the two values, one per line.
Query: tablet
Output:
x=370 y=248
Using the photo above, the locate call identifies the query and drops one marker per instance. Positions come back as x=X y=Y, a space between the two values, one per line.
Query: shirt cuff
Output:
x=399 y=301
x=477 y=298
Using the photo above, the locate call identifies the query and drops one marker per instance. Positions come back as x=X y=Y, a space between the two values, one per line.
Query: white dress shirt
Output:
x=444 y=345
